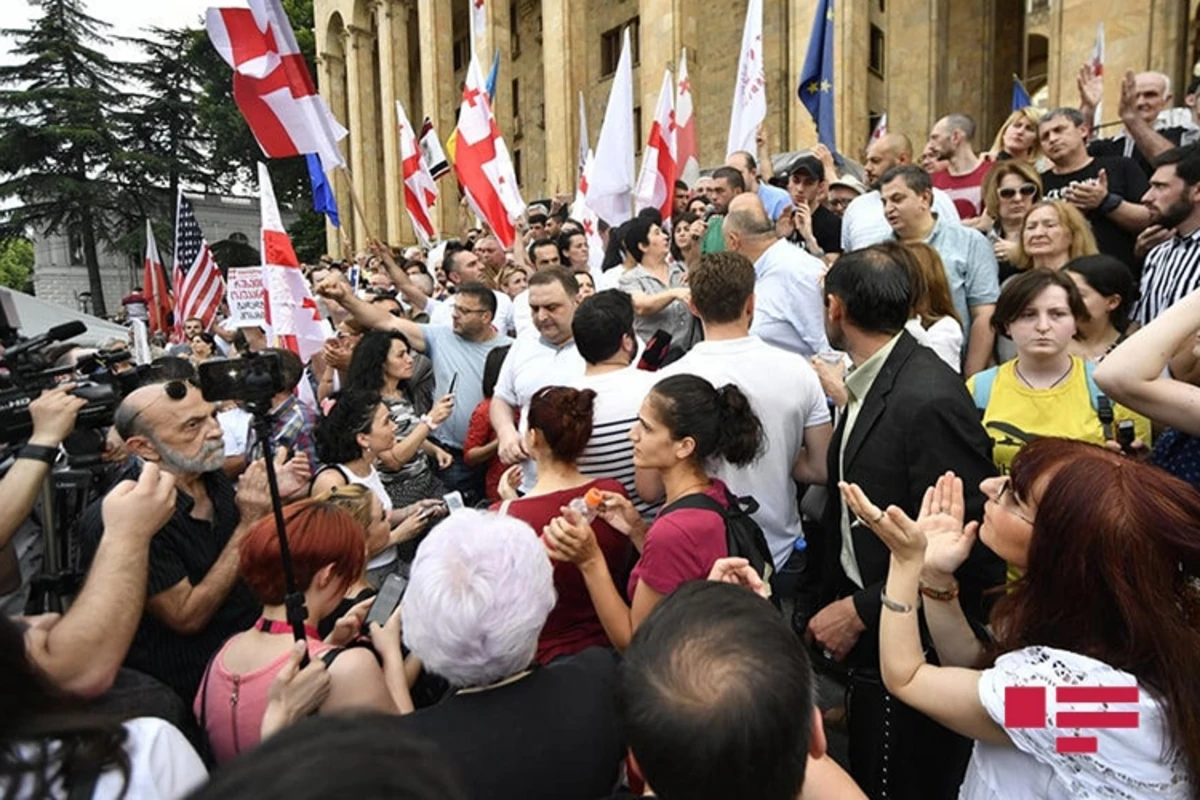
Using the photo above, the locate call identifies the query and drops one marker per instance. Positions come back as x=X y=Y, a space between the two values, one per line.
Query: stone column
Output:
x=659 y=34
x=564 y=54
x=440 y=93
x=388 y=27
x=331 y=77
x=912 y=64
x=358 y=163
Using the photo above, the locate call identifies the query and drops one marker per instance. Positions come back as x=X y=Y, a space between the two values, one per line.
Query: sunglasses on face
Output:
x=1026 y=190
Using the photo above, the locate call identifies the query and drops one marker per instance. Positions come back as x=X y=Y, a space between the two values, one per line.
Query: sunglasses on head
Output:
x=1026 y=190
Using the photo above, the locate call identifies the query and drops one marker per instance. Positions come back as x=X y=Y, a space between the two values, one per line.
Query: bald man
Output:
x=194 y=600
x=863 y=223
x=789 y=309
x=775 y=200
x=1151 y=125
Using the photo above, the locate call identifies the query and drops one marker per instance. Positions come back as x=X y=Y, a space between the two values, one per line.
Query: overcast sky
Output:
x=128 y=18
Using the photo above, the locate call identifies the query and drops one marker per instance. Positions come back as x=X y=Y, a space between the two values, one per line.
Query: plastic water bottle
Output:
x=589 y=505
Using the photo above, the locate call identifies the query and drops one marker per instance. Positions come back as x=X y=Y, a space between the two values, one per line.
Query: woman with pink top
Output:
x=328 y=552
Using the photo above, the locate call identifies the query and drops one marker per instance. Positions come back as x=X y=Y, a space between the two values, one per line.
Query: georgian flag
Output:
x=420 y=190
x=656 y=184
x=271 y=83
x=482 y=164
x=687 y=153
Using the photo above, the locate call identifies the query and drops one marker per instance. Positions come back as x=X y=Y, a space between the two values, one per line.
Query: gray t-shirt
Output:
x=453 y=355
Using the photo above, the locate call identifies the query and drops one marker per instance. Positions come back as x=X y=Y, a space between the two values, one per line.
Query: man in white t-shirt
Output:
x=863 y=222
x=603 y=328
x=783 y=391
x=545 y=358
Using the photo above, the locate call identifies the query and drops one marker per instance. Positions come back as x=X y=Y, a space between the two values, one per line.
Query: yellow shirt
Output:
x=1016 y=414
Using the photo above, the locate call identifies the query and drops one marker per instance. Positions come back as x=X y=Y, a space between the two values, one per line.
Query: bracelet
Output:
x=37 y=452
x=940 y=594
x=429 y=423
x=892 y=605
x=1110 y=203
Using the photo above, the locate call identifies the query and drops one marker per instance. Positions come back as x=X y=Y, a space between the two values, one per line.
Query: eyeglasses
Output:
x=1010 y=504
x=1026 y=190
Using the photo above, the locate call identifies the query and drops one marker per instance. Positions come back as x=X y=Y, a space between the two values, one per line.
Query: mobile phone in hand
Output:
x=454 y=501
x=1125 y=435
x=390 y=595
x=453 y=383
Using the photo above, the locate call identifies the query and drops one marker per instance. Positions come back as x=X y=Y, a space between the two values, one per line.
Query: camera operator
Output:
x=194 y=600
x=53 y=417
x=81 y=651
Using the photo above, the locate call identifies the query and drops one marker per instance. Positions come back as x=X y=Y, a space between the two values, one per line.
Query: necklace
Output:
x=1024 y=380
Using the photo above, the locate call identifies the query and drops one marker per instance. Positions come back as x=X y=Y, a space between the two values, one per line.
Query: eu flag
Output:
x=1020 y=96
x=322 y=192
x=816 y=78
x=493 y=74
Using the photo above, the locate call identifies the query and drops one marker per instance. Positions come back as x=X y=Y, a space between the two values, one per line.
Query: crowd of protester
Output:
x=780 y=497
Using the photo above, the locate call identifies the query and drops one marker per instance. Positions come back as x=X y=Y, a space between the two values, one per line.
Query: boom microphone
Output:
x=68 y=330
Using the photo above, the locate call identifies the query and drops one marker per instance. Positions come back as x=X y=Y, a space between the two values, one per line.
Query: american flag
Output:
x=199 y=287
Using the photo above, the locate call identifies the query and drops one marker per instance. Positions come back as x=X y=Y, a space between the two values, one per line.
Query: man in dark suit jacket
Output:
x=909 y=419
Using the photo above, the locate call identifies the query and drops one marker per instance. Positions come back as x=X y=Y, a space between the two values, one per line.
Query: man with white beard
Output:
x=194 y=599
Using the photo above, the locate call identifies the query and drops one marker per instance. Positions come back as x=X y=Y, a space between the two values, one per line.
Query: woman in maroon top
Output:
x=560 y=424
x=683 y=422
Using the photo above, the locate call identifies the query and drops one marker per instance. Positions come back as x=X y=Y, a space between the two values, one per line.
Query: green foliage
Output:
x=308 y=235
x=16 y=264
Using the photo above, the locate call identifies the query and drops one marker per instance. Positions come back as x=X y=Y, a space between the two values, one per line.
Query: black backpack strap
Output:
x=695 y=500
x=329 y=656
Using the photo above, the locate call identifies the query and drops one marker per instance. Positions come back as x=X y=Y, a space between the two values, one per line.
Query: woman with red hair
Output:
x=1108 y=597
x=328 y=554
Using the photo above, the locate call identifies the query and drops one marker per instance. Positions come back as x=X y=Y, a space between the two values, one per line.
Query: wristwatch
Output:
x=37 y=452
x=1111 y=201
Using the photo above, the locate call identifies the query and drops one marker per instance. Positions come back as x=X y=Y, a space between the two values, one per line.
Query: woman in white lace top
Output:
x=1111 y=554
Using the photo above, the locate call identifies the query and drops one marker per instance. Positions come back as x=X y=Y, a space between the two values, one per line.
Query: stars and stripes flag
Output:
x=199 y=287
x=420 y=190
x=154 y=286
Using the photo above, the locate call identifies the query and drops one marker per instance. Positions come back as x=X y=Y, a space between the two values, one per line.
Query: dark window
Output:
x=514 y=31
x=516 y=97
x=637 y=130
x=462 y=53
x=610 y=46
x=877 y=51
x=517 y=167
x=75 y=248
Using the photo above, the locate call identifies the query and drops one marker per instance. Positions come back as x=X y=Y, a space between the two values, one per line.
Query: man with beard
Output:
x=194 y=598
x=963 y=176
x=1172 y=269
x=907 y=421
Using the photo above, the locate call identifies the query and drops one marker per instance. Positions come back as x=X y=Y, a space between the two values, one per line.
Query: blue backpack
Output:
x=982 y=394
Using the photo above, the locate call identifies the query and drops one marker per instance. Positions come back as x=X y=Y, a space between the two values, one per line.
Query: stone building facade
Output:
x=914 y=59
x=60 y=275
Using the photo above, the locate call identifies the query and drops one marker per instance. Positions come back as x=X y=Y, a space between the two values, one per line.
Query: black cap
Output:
x=810 y=165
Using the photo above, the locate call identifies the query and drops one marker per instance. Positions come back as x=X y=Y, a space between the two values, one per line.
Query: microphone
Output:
x=710 y=211
x=68 y=330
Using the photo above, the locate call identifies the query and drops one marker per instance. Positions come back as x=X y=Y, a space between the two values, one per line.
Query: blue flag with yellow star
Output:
x=816 y=78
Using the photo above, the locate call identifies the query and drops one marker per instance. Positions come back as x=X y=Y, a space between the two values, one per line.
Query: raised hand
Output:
x=140 y=508
x=900 y=533
x=948 y=542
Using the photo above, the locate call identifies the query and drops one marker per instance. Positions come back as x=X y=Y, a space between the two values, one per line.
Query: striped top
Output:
x=1172 y=272
x=609 y=453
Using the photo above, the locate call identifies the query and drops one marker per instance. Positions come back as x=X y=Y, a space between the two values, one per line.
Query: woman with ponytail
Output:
x=560 y=424
x=683 y=423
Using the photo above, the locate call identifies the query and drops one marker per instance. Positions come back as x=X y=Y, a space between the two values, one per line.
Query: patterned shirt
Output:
x=1171 y=273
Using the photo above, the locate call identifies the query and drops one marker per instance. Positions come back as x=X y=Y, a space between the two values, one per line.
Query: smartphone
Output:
x=1125 y=435
x=454 y=501
x=453 y=383
x=390 y=595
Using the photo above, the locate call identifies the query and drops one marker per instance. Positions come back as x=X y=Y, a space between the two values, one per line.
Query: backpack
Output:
x=1101 y=404
x=744 y=537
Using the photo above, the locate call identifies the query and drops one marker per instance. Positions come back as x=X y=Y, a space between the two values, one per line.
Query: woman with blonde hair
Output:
x=934 y=322
x=1055 y=233
x=1017 y=138
x=1009 y=192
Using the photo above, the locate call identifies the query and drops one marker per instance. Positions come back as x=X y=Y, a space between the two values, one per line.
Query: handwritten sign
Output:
x=245 y=294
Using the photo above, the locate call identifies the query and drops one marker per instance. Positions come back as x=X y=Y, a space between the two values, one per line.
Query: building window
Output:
x=516 y=97
x=877 y=51
x=75 y=248
x=610 y=47
x=637 y=130
x=517 y=167
x=462 y=53
x=514 y=31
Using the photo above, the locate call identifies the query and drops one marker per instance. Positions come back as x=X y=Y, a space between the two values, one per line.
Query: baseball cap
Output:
x=810 y=165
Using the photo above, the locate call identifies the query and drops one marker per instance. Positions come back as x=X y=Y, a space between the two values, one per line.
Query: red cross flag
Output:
x=420 y=190
x=581 y=211
x=687 y=153
x=154 y=286
x=293 y=320
x=271 y=84
x=482 y=163
x=656 y=184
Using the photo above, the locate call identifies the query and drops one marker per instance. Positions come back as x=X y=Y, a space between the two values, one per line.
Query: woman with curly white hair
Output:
x=479 y=593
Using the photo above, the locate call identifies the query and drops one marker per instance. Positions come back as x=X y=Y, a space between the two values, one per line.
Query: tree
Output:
x=56 y=138
x=16 y=264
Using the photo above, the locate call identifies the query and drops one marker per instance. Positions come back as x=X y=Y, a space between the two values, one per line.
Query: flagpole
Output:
x=358 y=206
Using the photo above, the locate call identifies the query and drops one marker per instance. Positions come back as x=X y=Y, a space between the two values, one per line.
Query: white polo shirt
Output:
x=532 y=363
x=787 y=397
